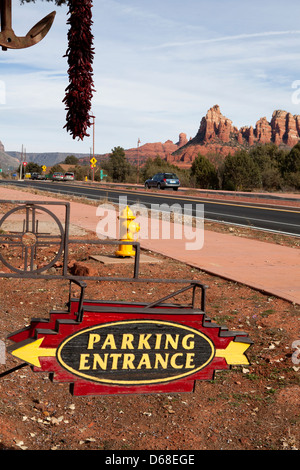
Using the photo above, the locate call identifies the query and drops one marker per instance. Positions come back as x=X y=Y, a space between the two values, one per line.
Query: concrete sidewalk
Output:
x=269 y=268
x=273 y=269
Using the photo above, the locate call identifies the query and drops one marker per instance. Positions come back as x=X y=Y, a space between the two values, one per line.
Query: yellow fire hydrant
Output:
x=127 y=230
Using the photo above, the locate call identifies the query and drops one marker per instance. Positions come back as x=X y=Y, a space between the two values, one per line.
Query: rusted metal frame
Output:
x=11 y=235
x=197 y=314
x=156 y=303
x=65 y=236
x=25 y=201
x=32 y=250
x=66 y=239
x=19 y=235
x=137 y=259
x=82 y=286
x=78 y=279
x=193 y=285
x=31 y=207
x=25 y=248
x=94 y=278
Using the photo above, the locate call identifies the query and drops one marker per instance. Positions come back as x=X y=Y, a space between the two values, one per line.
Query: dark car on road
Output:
x=162 y=181
x=37 y=176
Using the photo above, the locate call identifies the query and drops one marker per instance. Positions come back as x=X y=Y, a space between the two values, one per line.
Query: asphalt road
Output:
x=260 y=216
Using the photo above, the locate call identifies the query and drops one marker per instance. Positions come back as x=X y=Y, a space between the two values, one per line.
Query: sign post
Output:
x=93 y=165
x=102 y=175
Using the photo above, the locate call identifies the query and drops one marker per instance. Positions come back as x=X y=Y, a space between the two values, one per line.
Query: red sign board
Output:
x=120 y=348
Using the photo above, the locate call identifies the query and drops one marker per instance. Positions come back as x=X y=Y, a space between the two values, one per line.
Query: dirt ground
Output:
x=246 y=408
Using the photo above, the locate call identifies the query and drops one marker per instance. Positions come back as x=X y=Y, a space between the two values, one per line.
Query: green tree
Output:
x=32 y=167
x=271 y=178
x=71 y=160
x=292 y=162
x=56 y=169
x=271 y=162
x=80 y=172
x=240 y=172
x=292 y=167
x=204 y=174
x=117 y=166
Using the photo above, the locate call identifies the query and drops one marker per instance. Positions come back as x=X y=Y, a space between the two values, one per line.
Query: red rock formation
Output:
x=182 y=140
x=151 y=151
x=240 y=138
x=163 y=150
x=278 y=123
x=292 y=136
x=297 y=119
x=217 y=135
x=213 y=125
x=263 y=131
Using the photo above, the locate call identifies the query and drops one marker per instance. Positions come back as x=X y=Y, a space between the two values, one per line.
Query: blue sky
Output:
x=159 y=66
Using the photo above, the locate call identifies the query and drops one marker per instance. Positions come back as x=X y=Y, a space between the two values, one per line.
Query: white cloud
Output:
x=238 y=37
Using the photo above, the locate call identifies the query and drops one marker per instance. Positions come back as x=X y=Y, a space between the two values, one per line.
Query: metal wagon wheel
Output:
x=30 y=240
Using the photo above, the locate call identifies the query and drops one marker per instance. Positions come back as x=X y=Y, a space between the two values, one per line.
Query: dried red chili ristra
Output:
x=80 y=54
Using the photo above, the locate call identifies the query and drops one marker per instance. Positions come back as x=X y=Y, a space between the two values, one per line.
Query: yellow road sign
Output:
x=44 y=168
x=93 y=161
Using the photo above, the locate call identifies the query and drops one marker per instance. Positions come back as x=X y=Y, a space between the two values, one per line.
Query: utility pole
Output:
x=21 y=165
x=93 y=146
x=138 y=167
x=93 y=160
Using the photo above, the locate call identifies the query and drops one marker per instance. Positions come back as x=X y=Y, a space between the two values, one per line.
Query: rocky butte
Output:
x=218 y=135
x=148 y=150
x=6 y=161
x=164 y=150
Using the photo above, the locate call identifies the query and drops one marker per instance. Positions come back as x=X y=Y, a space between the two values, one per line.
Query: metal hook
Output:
x=8 y=39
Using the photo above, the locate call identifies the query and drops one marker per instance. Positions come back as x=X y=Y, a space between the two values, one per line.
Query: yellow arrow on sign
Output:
x=30 y=351
x=234 y=354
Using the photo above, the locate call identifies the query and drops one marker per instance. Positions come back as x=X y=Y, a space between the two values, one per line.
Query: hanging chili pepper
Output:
x=80 y=54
